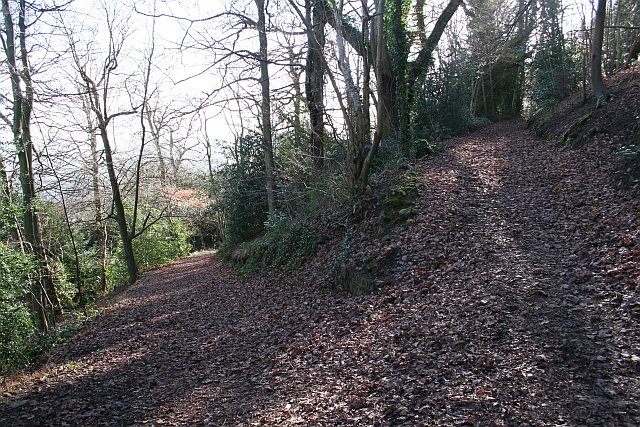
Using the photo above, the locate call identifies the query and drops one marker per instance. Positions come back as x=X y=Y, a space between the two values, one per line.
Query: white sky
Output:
x=183 y=75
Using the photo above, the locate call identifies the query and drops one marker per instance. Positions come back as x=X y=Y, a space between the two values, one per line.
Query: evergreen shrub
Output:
x=163 y=242
x=17 y=330
x=287 y=244
x=244 y=200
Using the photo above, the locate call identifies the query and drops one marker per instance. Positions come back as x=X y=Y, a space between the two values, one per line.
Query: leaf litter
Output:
x=515 y=303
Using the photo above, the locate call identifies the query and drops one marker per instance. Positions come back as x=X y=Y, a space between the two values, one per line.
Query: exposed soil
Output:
x=516 y=303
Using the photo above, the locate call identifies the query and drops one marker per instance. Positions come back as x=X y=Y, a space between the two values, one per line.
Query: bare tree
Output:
x=17 y=57
x=100 y=224
x=98 y=93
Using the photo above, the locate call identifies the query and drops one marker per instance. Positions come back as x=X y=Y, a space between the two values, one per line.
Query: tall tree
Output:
x=378 y=24
x=399 y=45
x=97 y=91
x=314 y=75
x=499 y=39
x=265 y=107
x=358 y=132
x=397 y=117
x=100 y=224
x=597 y=83
x=553 y=74
x=17 y=58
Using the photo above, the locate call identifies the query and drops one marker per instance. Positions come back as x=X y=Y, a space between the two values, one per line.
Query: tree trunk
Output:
x=314 y=84
x=616 y=54
x=364 y=175
x=295 y=74
x=44 y=292
x=420 y=24
x=155 y=137
x=597 y=84
x=97 y=95
x=357 y=133
x=100 y=230
x=424 y=58
x=633 y=51
x=266 y=108
x=121 y=215
x=386 y=87
x=14 y=225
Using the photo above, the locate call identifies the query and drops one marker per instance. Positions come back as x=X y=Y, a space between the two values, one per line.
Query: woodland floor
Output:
x=516 y=303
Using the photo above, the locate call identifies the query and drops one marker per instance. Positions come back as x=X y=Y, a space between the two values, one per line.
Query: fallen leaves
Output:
x=515 y=302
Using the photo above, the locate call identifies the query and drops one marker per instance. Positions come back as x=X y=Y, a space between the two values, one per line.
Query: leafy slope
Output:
x=618 y=122
x=516 y=303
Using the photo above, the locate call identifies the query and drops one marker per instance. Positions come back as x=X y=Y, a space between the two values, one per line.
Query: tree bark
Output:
x=155 y=128
x=100 y=228
x=354 y=37
x=314 y=84
x=295 y=74
x=377 y=138
x=121 y=215
x=13 y=226
x=98 y=97
x=420 y=24
x=633 y=51
x=266 y=108
x=103 y=123
x=597 y=83
x=357 y=133
x=386 y=87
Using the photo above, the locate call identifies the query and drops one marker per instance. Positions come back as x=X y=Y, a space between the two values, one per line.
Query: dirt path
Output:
x=517 y=304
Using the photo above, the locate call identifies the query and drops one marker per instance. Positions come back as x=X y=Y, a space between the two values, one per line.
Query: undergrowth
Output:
x=286 y=245
x=38 y=345
x=398 y=205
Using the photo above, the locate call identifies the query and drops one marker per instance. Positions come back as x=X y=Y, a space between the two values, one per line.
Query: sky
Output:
x=182 y=70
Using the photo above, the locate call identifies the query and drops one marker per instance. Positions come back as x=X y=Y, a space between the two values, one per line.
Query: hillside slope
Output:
x=515 y=303
x=575 y=121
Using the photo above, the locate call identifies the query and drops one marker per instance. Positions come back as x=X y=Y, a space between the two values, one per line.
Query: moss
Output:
x=572 y=135
x=360 y=284
x=407 y=212
x=539 y=125
x=370 y=276
x=399 y=204
x=369 y=263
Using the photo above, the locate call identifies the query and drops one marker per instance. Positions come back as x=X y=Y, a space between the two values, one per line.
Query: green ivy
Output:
x=288 y=244
x=17 y=330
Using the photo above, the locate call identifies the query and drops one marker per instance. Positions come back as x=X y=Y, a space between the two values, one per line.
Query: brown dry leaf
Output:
x=515 y=303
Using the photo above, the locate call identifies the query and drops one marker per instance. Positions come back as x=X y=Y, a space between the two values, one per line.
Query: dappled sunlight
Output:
x=495 y=317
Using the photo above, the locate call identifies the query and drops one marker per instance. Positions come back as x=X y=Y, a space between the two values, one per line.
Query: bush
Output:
x=163 y=242
x=287 y=245
x=244 y=199
x=16 y=324
x=442 y=108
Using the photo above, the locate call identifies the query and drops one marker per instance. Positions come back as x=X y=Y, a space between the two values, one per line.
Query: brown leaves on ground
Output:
x=617 y=122
x=516 y=303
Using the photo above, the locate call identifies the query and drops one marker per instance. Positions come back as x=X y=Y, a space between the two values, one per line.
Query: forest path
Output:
x=516 y=304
